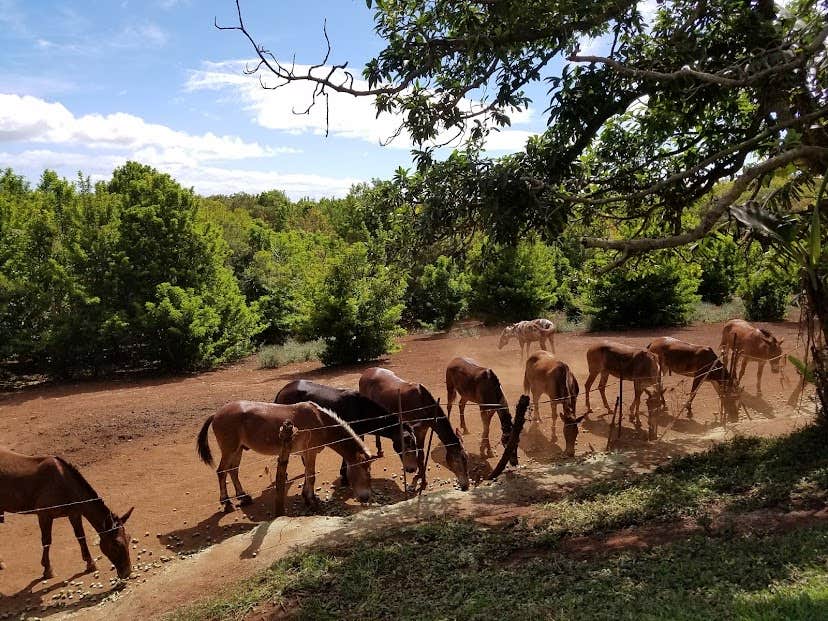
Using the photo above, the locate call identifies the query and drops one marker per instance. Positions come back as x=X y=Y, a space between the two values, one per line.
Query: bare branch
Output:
x=718 y=207
x=713 y=78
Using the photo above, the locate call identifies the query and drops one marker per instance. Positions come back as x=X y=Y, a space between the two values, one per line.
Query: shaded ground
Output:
x=134 y=440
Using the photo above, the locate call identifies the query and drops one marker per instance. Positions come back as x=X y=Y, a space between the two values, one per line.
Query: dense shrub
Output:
x=514 y=283
x=720 y=260
x=657 y=291
x=765 y=293
x=439 y=296
x=274 y=356
x=357 y=309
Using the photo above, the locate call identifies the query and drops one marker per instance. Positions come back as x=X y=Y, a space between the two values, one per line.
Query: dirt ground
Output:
x=135 y=442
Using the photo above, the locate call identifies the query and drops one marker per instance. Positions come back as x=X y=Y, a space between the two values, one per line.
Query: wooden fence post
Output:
x=428 y=451
x=286 y=439
x=514 y=437
x=399 y=417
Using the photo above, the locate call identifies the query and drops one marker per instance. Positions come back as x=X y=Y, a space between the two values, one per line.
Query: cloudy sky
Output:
x=87 y=85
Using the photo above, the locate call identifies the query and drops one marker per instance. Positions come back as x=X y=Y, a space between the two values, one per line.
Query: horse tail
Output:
x=202 y=444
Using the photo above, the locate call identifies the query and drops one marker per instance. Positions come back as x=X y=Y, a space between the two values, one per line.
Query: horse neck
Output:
x=90 y=504
x=442 y=426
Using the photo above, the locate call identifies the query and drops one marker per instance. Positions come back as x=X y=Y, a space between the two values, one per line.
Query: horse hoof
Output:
x=228 y=506
x=380 y=454
x=48 y=574
x=245 y=500
x=464 y=431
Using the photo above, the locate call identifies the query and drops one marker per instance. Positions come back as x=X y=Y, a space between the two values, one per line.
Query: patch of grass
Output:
x=564 y=324
x=704 y=312
x=272 y=356
x=740 y=475
x=451 y=570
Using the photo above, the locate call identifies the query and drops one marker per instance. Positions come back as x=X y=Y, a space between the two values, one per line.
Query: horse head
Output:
x=505 y=336
x=458 y=461
x=115 y=543
x=406 y=446
x=359 y=474
x=570 y=432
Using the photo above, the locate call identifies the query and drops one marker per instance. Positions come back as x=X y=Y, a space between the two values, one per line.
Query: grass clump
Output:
x=705 y=312
x=272 y=356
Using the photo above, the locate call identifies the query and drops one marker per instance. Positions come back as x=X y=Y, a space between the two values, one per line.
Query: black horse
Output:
x=364 y=415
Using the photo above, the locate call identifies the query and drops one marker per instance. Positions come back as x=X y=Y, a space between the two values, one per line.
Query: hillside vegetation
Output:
x=139 y=272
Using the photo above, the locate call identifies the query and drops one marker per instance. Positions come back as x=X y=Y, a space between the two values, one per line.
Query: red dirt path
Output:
x=135 y=442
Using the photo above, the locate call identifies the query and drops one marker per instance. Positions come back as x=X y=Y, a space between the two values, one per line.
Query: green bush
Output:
x=660 y=290
x=765 y=293
x=357 y=309
x=439 y=296
x=720 y=262
x=518 y=282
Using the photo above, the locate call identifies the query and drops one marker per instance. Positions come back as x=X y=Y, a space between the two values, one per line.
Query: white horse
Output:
x=526 y=332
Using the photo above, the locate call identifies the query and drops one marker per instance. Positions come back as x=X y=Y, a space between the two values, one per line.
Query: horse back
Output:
x=473 y=381
x=28 y=482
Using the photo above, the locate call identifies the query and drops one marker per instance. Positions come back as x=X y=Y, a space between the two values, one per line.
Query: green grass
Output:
x=710 y=313
x=272 y=356
x=743 y=474
x=445 y=569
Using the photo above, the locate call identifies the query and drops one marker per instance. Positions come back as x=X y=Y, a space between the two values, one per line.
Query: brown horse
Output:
x=702 y=364
x=422 y=411
x=754 y=344
x=53 y=488
x=479 y=385
x=546 y=375
x=240 y=425
x=627 y=363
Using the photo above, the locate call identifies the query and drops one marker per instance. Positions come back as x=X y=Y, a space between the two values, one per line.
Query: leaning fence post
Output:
x=399 y=417
x=286 y=439
x=514 y=437
x=620 y=405
x=428 y=450
x=611 y=431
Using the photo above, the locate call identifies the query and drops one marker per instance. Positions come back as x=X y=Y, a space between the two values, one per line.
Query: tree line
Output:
x=139 y=272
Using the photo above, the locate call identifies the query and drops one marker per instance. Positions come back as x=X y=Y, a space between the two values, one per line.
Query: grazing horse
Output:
x=240 y=425
x=753 y=344
x=53 y=488
x=527 y=332
x=701 y=363
x=546 y=375
x=479 y=385
x=627 y=363
x=363 y=415
x=421 y=410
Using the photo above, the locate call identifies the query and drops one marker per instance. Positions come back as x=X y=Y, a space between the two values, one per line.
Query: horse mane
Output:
x=766 y=333
x=348 y=429
x=85 y=485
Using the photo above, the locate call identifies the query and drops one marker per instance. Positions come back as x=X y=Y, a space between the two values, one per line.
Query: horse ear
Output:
x=126 y=515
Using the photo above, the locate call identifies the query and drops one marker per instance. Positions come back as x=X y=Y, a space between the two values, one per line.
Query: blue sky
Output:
x=88 y=85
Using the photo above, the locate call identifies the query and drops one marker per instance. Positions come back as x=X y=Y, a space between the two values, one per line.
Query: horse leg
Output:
x=462 y=407
x=697 y=380
x=637 y=389
x=534 y=414
x=420 y=477
x=554 y=406
x=587 y=389
x=308 y=493
x=343 y=472
x=77 y=526
x=378 y=442
x=221 y=473
x=742 y=369
x=602 y=388
x=244 y=497
x=760 y=368
x=485 y=445
x=46 y=541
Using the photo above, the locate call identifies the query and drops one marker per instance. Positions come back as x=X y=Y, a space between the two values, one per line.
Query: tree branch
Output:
x=719 y=207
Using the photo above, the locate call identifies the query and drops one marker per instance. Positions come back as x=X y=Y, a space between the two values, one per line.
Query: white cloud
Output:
x=96 y=143
x=31 y=119
x=140 y=35
x=204 y=179
x=349 y=116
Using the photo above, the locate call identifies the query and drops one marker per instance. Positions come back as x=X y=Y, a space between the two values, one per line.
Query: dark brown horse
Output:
x=479 y=385
x=544 y=374
x=254 y=425
x=627 y=363
x=422 y=411
x=702 y=364
x=361 y=413
x=52 y=488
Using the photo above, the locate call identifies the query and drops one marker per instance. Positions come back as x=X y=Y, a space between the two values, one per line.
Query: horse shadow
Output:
x=24 y=595
x=757 y=403
x=538 y=446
